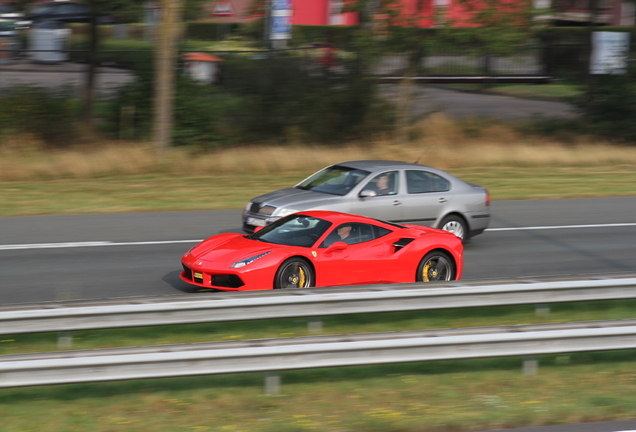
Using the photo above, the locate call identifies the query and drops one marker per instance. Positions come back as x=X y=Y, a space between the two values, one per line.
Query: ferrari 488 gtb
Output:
x=323 y=248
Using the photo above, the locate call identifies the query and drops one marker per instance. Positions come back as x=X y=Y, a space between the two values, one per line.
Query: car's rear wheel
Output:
x=436 y=266
x=294 y=273
x=456 y=225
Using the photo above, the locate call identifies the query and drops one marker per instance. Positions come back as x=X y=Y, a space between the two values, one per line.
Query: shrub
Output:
x=610 y=106
x=47 y=113
x=259 y=99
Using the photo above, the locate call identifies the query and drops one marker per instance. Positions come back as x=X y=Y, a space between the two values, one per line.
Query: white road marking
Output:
x=563 y=227
x=144 y=243
x=90 y=244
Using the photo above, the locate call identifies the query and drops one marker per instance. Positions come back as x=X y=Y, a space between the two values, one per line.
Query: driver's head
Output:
x=344 y=231
x=383 y=181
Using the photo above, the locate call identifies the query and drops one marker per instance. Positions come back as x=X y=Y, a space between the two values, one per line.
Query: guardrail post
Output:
x=542 y=309
x=64 y=340
x=272 y=383
x=314 y=325
x=530 y=366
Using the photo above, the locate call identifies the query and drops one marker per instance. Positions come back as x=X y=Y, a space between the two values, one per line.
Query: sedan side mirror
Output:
x=367 y=193
x=258 y=228
x=337 y=246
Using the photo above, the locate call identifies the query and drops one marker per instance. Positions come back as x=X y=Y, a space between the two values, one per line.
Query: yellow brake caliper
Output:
x=425 y=272
x=301 y=273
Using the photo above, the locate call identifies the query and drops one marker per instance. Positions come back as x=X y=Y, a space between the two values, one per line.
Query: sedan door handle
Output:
x=442 y=200
x=396 y=203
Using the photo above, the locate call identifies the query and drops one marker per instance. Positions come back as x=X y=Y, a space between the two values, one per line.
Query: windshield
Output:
x=293 y=230
x=335 y=180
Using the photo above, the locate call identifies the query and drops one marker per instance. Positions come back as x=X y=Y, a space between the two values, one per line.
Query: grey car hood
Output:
x=297 y=199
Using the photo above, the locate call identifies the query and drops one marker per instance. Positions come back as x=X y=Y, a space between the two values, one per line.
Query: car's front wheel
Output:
x=294 y=273
x=436 y=266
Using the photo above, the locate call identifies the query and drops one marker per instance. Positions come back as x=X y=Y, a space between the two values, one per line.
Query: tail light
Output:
x=487 y=198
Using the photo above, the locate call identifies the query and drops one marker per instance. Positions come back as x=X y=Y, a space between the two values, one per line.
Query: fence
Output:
x=273 y=355
x=222 y=307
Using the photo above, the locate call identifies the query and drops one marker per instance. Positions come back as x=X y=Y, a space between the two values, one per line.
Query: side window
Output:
x=354 y=233
x=384 y=184
x=424 y=181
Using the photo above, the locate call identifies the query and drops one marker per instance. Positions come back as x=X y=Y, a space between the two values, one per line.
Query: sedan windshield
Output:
x=335 y=180
x=293 y=230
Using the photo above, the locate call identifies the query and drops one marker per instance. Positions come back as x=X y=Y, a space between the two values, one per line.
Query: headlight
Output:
x=247 y=207
x=282 y=212
x=249 y=260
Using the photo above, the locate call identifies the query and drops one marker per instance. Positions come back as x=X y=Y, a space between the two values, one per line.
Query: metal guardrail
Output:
x=313 y=352
x=219 y=307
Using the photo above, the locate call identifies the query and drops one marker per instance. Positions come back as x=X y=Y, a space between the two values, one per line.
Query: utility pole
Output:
x=89 y=85
x=165 y=64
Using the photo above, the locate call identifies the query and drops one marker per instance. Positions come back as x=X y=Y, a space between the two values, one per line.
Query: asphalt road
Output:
x=23 y=71
x=527 y=239
x=467 y=105
x=610 y=426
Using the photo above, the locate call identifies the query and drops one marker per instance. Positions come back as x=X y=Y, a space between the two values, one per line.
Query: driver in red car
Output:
x=344 y=232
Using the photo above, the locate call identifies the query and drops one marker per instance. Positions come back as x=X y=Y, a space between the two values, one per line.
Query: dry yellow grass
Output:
x=439 y=142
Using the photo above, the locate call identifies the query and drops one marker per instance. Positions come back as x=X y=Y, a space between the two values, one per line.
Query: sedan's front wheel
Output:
x=294 y=273
x=436 y=266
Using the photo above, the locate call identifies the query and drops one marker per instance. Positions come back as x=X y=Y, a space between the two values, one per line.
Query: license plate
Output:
x=198 y=275
x=255 y=222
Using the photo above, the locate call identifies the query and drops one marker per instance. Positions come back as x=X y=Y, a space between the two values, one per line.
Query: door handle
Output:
x=442 y=200
x=396 y=203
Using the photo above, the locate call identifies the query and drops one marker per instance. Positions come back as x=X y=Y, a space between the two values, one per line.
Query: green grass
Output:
x=167 y=192
x=456 y=396
x=558 y=91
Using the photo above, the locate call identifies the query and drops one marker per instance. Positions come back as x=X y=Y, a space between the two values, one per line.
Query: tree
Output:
x=496 y=26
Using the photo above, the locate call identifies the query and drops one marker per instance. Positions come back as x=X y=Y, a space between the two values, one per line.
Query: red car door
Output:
x=364 y=261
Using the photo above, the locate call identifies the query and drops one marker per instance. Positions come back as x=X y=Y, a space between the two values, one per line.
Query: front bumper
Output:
x=253 y=220
x=225 y=279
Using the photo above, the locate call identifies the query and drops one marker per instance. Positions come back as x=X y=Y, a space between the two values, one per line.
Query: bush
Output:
x=46 y=113
x=269 y=98
x=209 y=31
x=610 y=107
x=200 y=111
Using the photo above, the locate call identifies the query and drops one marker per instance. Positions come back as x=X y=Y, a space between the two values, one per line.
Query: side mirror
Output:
x=258 y=228
x=367 y=193
x=337 y=246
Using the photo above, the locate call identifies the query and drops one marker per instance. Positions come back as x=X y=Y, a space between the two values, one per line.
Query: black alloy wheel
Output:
x=294 y=273
x=436 y=266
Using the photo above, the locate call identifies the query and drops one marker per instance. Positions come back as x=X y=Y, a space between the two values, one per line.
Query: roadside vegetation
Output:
x=123 y=176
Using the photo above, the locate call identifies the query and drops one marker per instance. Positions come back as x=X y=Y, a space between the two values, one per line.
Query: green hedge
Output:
x=209 y=31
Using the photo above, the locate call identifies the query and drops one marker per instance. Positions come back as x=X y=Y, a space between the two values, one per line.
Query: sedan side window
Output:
x=384 y=184
x=424 y=181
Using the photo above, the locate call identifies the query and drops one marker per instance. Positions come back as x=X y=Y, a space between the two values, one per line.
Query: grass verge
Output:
x=443 y=397
x=128 y=177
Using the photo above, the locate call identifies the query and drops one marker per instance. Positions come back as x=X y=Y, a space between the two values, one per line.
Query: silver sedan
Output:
x=399 y=192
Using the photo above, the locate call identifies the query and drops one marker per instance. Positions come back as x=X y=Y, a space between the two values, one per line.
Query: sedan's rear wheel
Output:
x=456 y=225
x=436 y=266
x=294 y=273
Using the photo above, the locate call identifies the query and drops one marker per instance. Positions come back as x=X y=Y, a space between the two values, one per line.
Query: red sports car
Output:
x=323 y=248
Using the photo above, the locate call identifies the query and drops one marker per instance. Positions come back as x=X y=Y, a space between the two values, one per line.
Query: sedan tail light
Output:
x=487 y=198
